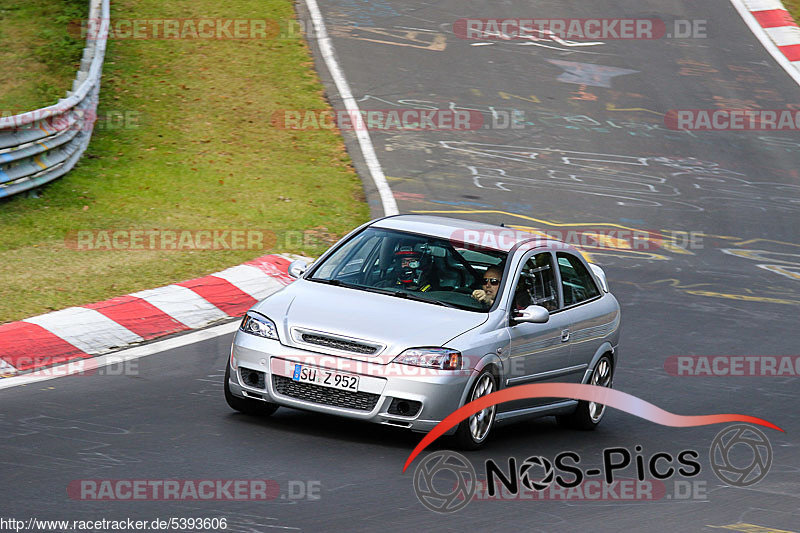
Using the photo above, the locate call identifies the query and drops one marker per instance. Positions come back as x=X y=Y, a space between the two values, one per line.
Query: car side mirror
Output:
x=297 y=268
x=533 y=314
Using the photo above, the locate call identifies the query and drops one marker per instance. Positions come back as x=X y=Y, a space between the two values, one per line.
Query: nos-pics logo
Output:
x=446 y=481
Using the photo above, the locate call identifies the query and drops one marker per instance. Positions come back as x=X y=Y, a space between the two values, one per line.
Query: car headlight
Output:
x=441 y=358
x=260 y=326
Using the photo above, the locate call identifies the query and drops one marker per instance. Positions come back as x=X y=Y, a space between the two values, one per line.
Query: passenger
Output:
x=491 y=283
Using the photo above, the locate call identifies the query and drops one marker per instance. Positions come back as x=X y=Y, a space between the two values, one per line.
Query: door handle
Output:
x=564 y=335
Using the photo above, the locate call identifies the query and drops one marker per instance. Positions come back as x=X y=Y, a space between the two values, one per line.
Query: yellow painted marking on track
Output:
x=751 y=528
x=610 y=242
x=39 y=162
x=780 y=269
x=476 y=92
x=745 y=298
x=728 y=237
x=672 y=248
x=610 y=252
x=751 y=241
x=508 y=96
x=666 y=243
x=597 y=250
x=677 y=283
x=555 y=225
x=612 y=107
x=525 y=217
x=742 y=243
x=417 y=39
x=43 y=146
x=763 y=255
x=749 y=254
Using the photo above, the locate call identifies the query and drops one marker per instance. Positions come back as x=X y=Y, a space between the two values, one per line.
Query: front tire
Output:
x=587 y=415
x=473 y=432
x=246 y=405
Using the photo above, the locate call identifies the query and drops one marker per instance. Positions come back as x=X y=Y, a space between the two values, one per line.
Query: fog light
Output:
x=402 y=407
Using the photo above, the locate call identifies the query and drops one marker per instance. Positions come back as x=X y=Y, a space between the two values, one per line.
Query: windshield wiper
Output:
x=334 y=282
x=340 y=283
x=409 y=296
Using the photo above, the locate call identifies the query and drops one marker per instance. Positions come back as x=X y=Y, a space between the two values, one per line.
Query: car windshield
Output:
x=406 y=265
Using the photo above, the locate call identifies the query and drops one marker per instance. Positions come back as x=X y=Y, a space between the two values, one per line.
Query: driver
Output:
x=410 y=273
x=491 y=282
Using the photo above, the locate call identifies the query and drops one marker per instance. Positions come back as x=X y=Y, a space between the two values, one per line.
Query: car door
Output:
x=539 y=353
x=592 y=316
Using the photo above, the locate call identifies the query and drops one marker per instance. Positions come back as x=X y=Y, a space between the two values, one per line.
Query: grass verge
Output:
x=794 y=8
x=195 y=150
x=38 y=55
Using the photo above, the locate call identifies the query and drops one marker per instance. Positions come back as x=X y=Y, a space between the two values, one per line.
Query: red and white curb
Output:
x=94 y=329
x=774 y=26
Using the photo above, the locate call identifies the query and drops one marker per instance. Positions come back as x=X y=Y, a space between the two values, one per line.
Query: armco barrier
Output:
x=39 y=146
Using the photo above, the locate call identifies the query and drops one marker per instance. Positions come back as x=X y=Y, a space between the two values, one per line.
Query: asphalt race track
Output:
x=591 y=153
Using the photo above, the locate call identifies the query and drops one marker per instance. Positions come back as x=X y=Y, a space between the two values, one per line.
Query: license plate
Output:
x=326 y=378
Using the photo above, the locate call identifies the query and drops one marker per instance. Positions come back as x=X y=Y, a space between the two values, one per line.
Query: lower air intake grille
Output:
x=308 y=392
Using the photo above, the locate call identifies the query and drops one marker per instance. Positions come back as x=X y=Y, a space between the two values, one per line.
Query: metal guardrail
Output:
x=39 y=146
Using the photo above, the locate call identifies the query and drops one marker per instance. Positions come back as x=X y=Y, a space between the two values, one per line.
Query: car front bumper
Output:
x=439 y=392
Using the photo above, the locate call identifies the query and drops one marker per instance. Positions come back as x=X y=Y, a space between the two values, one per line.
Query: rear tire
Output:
x=473 y=432
x=588 y=415
x=246 y=405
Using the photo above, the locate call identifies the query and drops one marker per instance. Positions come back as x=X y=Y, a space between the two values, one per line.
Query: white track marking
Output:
x=6 y=368
x=784 y=35
x=119 y=357
x=182 y=304
x=364 y=140
x=762 y=36
x=763 y=5
x=251 y=280
x=86 y=329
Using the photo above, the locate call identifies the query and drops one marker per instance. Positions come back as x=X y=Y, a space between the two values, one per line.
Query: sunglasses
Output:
x=491 y=281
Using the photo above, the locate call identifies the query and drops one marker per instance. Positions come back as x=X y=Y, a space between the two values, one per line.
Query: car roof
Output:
x=479 y=234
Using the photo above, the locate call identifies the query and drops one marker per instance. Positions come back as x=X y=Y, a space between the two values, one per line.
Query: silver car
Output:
x=410 y=317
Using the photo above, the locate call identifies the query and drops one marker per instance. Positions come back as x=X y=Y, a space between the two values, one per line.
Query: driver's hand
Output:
x=481 y=296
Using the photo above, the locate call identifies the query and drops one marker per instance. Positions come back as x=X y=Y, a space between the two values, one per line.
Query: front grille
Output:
x=308 y=392
x=339 y=344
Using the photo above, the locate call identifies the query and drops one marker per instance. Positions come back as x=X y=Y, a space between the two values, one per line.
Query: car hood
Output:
x=368 y=318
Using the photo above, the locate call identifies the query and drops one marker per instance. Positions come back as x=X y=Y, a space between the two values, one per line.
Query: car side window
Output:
x=577 y=283
x=536 y=284
x=355 y=263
